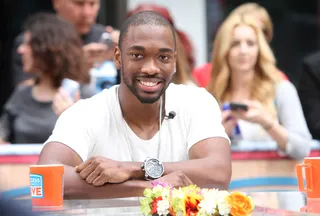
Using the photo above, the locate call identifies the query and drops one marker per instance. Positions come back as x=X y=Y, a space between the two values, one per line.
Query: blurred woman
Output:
x=262 y=16
x=52 y=50
x=244 y=71
x=202 y=73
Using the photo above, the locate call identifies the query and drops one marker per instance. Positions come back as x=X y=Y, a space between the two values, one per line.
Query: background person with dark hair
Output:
x=82 y=15
x=52 y=51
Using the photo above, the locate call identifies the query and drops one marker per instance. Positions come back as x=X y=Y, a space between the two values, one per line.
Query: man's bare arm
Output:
x=209 y=165
x=76 y=187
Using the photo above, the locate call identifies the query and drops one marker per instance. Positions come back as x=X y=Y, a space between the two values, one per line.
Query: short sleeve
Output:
x=72 y=129
x=205 y=118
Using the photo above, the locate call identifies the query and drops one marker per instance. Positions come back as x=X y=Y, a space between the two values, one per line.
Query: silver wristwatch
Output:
x=153 y=168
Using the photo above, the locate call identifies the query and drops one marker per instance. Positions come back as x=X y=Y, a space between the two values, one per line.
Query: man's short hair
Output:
x=145 y=18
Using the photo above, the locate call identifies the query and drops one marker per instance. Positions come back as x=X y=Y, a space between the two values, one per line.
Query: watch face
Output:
x=154 y=168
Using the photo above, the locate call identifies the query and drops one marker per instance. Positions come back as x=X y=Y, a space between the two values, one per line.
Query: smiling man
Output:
x=143 y=129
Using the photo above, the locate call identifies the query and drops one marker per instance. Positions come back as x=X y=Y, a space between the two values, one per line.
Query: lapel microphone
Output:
x=171 y=115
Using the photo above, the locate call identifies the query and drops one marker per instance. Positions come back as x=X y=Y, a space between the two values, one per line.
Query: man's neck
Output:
x=135 y=112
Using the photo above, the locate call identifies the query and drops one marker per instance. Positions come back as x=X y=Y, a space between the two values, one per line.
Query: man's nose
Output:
x=87 y=10
x=150 y=67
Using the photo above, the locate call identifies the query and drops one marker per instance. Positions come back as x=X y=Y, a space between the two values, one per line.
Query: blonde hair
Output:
x=256 y=10
x=266 y=74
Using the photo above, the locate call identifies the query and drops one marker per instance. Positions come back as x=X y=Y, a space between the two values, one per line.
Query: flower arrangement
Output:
x=163 y=200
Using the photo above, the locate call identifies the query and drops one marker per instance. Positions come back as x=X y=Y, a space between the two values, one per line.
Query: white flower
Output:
x=165 y=193
x=178 y=193
x=157 y=189
x=163 y=207
x=179 y=213
x=207 y=207
x=222 y=196
x=209 y=203
x=224 y=208
x=223 y=205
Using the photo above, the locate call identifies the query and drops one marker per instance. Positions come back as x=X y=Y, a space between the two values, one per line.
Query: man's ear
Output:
x=175 y=63
x=117 y=57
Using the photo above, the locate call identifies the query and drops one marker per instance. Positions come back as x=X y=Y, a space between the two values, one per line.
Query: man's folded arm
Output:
x=77 y=188
x=209 y=165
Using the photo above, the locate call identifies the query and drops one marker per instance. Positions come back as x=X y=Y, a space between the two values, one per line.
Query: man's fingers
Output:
x=83 y=165
x=93 y=175
x=87 y=171
x=99 y=181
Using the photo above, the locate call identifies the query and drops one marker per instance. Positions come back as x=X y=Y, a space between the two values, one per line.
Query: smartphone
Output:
x=238 y=106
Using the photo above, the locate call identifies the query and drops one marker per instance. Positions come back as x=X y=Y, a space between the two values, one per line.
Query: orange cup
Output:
x=46 y=185
x=313 y=206
x=311 y=166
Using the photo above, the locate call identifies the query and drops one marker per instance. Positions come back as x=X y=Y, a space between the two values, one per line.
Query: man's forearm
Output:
x=77 y=188
x=202 y=172
x=206 y=172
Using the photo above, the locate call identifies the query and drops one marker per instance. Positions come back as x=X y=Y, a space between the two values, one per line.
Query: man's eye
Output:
x=137 y=56
x=164 y=58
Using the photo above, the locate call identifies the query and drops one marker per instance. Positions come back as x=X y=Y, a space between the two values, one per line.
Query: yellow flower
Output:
x=241 y=205
x=192 y=199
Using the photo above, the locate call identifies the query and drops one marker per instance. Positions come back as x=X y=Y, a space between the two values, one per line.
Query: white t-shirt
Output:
x=95 y=126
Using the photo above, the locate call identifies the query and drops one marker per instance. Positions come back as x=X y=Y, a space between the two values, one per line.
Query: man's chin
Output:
x=83 y=30
x=148 y=100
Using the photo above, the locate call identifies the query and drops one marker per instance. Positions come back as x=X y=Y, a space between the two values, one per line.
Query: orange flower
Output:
x=192 y=203
x=155 y=204
x=241 y=205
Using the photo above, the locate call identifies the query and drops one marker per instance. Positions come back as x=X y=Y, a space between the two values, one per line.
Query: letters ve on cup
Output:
x=311 y=168
x=46 y=185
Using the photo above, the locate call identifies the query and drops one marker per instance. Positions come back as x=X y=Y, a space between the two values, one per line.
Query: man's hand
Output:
x=99 y=170
x=176 y=179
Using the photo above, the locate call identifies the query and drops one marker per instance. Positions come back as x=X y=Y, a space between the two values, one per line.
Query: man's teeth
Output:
x=150 y=84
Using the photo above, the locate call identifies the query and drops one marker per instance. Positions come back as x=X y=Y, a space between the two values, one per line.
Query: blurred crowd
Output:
x=56 y=49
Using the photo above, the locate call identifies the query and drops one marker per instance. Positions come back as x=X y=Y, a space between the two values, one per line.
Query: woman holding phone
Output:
x=244 y=72
x=52 y=50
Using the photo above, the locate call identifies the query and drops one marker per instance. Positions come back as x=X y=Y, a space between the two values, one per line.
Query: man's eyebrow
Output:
x=135 y=47
x=166 y=50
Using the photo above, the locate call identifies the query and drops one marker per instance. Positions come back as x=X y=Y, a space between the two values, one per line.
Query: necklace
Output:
x=125 y=127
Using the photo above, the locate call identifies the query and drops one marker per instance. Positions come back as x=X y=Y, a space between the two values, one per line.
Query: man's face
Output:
x=81 y=13
x=147 y=60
